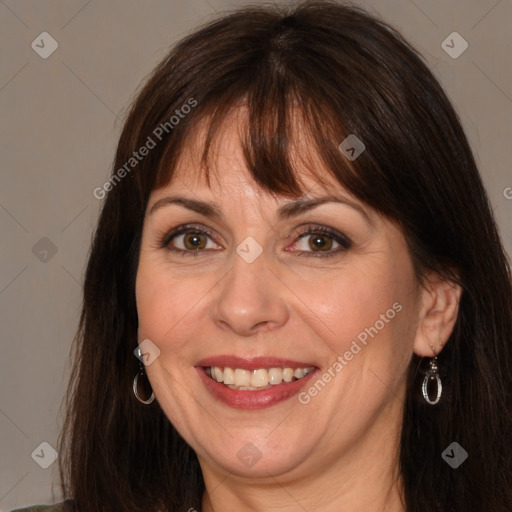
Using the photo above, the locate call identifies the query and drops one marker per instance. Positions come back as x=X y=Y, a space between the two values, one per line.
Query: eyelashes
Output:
x=319 y=234
x=165 y=241
x=323 y=232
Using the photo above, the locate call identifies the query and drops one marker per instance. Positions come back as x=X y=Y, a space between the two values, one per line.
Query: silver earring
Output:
x=135 y=386
x=430 y=375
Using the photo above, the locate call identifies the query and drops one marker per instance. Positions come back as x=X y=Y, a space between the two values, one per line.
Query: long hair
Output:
x=343 y=72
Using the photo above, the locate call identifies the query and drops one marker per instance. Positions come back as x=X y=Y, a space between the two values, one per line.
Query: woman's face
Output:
x=280 y=289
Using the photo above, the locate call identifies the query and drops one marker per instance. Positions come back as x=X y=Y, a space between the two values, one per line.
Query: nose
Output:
x=251 y=298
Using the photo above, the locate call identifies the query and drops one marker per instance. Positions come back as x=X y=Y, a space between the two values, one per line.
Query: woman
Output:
x=297 y=298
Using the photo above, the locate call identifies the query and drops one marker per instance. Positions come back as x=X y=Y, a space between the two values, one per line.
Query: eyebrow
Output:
x=286 y=211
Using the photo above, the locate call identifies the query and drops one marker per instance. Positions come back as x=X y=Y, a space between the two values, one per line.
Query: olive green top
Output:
x=59 y=507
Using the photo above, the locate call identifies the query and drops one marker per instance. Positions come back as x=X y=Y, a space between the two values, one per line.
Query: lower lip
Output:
x=244 y=399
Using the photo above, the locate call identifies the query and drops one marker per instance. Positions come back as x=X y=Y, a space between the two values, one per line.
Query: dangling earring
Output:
x=135 y=386
x=430 y=375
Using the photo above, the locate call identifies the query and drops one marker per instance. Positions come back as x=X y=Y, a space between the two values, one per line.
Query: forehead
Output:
x=228 y=169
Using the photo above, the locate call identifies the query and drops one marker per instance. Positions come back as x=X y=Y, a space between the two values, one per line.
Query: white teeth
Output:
x=244 y=388
x=242 y=377
x=275 y=375
x=288 y=374
x=217 y=374
x=229 y=376
x=251 y=380
x=259 y=378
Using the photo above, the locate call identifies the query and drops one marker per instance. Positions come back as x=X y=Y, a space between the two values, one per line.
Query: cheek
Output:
x=366 y=317
x=349 y=302
x=164 y=305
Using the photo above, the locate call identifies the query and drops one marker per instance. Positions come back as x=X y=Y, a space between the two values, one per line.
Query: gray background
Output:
x=60 y=119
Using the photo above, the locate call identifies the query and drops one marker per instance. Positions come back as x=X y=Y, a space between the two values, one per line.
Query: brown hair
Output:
x=349 y=73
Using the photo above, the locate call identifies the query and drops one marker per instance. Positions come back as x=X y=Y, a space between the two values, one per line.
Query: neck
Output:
x=291 y=498
x=364 y=478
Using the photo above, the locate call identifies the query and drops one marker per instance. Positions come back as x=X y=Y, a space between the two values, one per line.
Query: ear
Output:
x=439 y=307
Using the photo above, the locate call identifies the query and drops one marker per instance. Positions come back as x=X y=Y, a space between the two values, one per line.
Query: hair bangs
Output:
x=285 y=135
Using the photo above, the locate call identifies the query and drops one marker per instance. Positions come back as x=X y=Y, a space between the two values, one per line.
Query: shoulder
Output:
x=59 y=507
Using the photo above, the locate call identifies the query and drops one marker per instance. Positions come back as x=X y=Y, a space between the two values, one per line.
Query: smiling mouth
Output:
x=255 y=380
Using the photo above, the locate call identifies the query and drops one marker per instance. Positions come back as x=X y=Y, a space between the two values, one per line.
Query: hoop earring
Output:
x=430 y=375
x=135 y=387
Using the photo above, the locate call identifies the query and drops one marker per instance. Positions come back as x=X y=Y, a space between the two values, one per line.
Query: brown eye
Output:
x=321 y=242
x=189 y=240
x=194 y=240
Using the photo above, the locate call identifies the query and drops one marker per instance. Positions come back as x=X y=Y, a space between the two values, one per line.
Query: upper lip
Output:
x=252 y=363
